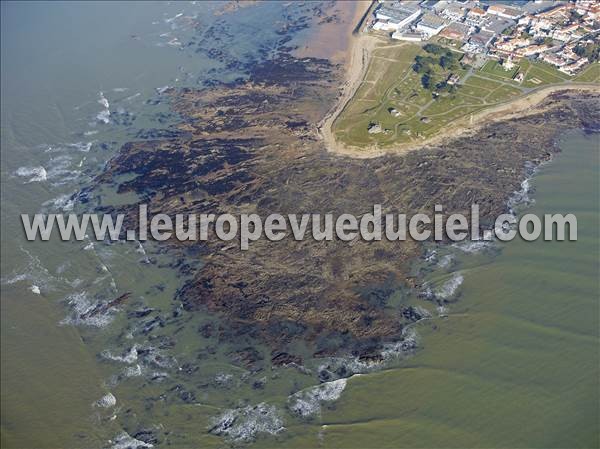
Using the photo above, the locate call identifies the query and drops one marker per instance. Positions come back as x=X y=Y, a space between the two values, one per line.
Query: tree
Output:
x=434 y=49
x=426 y=81
x=423 y=64
x=446 y=62
x=419 y=67
x=592 y=51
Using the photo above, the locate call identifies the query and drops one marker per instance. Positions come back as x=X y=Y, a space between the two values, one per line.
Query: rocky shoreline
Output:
x=314 y=312
x=253 y=147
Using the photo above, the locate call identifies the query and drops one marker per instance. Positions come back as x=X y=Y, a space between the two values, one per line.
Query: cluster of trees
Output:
x=426 y=66
x=590 y=51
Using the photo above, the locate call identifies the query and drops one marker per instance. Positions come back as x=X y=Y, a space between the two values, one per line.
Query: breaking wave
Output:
x=128 y=357
x=35 y=174
x=126 y=441
x=244 y=423
x=87 y=312
x=163 y=89
x=474 y=246
x=35 y=273
x=308 y=402
x=62 y=202
x=106 y=401
x=450 y=287
x=104 y=115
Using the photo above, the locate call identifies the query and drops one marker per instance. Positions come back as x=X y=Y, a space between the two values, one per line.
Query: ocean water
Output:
x=78 y=80
x=513 y=363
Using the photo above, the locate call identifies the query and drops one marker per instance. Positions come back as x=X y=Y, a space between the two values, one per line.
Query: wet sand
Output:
x=332 y=41
x=359 y=52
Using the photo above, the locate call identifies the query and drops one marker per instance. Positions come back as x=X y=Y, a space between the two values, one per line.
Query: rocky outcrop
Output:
x=251 y=148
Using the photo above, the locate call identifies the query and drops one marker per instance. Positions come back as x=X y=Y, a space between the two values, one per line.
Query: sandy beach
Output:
x=357 y=62
x=330 y=41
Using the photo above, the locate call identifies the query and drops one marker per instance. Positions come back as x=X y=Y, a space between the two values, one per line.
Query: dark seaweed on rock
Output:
x=173 y=167
x=288 y=69
x=332 y=296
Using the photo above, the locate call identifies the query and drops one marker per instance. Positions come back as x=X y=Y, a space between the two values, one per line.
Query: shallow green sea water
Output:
x=516 y=362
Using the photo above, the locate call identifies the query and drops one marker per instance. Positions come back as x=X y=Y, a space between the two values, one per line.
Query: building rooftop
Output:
x=406 y=6
x=477 y=11
x=393 y=13
x=453 y=9
x=455 y=31
x=507 y=10
x=407 y=35
x=497 y=26
x=538 y=6
x=482 y=38
x=431 y=21
x=458 y=27
x=429 y=4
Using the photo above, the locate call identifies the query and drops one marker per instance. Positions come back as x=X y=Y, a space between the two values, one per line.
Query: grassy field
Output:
x=590 y=75
x=393 y=97
x=495 y=68
x=539 y=73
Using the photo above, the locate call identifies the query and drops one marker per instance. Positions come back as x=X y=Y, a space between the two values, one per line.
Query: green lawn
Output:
x=503 y=93
x=495 y=68
x=485 y=83
x=540 y=73
x=590 y=74
x=391 y=83
x=477 y=92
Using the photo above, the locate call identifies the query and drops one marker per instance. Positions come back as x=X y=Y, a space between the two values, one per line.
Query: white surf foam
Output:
x=82 y=146
x=175 y=17
x=62 y=203
x=398 y=349
x=450 y=287
x=132 y=97
x=106 y=401
x=474 y=246
x=243 y=424
x=80 y=304
x=34 y=272
x=128 y=357
x=104 y=115
x=126 y=441
x=308 y=402
x=445 y=261
x=133 y=371
x=34 y=174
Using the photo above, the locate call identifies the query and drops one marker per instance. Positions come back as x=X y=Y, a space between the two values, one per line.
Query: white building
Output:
x=504 y=11
x=573 y=68
x=453 y=12
x=396 y=16
x=407 y=36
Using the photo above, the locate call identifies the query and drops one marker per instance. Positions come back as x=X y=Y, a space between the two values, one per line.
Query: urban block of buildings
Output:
x=548 y=31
